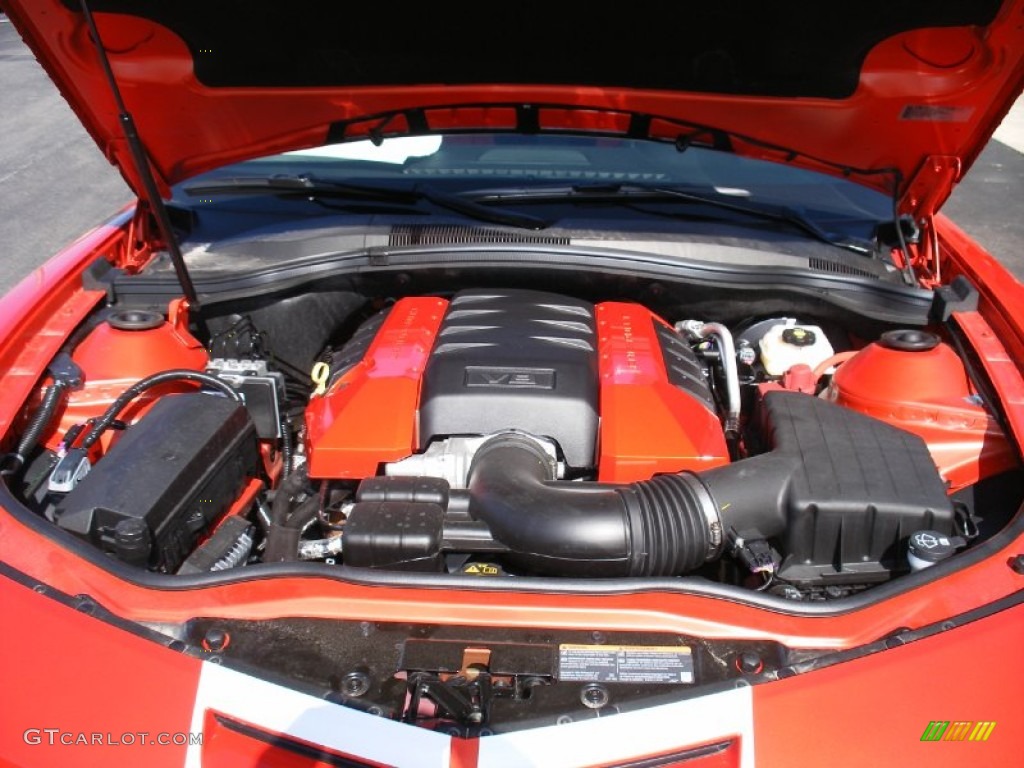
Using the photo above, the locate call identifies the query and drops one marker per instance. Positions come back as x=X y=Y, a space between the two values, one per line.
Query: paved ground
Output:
x=51 y=173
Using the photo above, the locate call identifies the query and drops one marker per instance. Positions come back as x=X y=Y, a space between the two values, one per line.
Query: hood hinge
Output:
x=929 y=188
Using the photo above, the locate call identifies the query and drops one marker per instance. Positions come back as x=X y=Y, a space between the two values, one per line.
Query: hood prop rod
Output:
x=151 y=194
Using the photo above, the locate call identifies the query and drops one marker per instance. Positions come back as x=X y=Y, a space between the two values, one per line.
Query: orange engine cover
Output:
x=654 y=417
x=656 y=412
x=368 y=414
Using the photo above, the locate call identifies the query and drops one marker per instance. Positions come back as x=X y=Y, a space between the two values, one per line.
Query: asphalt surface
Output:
x=55 y=184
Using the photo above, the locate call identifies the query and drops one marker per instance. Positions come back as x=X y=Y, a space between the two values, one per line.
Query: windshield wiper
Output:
x=633 y=193
x=311 y=186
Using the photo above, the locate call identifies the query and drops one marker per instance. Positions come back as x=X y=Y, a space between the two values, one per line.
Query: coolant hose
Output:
x=664 y=526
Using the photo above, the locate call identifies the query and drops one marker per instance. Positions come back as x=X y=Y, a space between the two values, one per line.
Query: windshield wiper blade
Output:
x=632 y=193
x=767 y=212
x=312 y=186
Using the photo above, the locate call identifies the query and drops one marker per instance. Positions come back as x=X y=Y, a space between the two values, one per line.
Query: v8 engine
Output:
x=475 y=424
x=615 y=388
x=514 y=431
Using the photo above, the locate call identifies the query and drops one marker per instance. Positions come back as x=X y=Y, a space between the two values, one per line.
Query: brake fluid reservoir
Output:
x=788 y=344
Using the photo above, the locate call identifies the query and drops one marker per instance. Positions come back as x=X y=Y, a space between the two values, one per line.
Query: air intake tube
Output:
x=854 y=499
x=665 y=526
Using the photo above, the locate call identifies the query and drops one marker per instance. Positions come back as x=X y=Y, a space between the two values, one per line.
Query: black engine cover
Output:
x=515 y=359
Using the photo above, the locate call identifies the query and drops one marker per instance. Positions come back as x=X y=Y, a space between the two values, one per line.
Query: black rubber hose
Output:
x=660 y=527
x=304 y=514
x=283 y=538
x=282 y=504
x=286 y=525
x=40 y=421
x=136 y=389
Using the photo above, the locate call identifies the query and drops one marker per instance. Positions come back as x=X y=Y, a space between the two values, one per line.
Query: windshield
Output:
x=475 y=160
x=541 y=181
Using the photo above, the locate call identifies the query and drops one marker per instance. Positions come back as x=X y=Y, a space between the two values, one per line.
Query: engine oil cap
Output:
x=799 y=337
x=926 y=548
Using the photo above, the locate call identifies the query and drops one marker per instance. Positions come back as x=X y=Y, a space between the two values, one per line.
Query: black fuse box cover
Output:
x=177 y=470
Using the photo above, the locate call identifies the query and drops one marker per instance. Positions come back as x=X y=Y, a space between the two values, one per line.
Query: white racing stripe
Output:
x=628 y=736
x=613 y=738
x=282 y=710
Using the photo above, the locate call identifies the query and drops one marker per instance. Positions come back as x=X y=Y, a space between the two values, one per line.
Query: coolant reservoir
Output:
x=788 y=344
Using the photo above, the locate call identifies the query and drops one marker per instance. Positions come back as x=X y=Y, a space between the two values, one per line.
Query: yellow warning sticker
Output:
x=481 y=569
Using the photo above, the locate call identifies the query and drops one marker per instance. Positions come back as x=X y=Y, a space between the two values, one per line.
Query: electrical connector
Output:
x=70 y=469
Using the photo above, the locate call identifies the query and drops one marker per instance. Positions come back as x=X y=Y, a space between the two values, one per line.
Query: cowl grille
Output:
x=823 y=265
x=438 y=235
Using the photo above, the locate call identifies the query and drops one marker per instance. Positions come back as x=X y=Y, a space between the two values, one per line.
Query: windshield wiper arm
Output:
x=769 y=213
x=615 y=192
x=311 y=186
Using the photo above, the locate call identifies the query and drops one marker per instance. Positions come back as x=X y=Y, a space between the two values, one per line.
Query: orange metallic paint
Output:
x=869 y=711
x=640 y=611
x=50 y=563
x=1003 y=368
x=927 y=393
x=865 y=131
x=47 y=306
x=112 y=360
x=1001 y=296
x=368 y=415
x=872 y=711
x=63 y=669
x=648 y=425
x=40 y=312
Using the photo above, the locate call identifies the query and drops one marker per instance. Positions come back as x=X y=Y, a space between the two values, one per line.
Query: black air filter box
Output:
x=169 y=476
x=860 y=488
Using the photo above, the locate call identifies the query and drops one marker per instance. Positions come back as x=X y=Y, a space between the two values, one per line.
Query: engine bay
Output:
x=519 y=433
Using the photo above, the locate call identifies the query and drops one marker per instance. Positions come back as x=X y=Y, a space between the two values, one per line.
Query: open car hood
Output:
x=901 y=97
